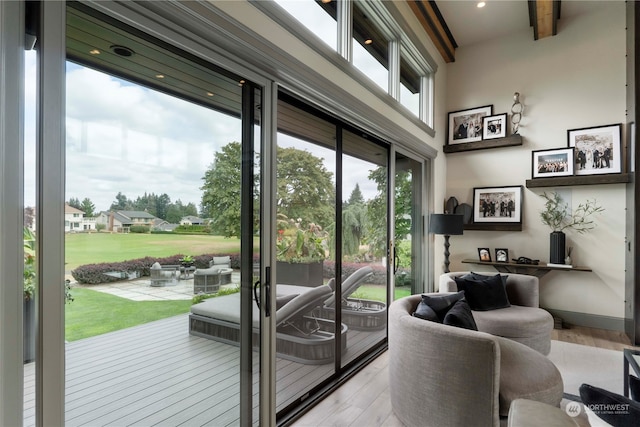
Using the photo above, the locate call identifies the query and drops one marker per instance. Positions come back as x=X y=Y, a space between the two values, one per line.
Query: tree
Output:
x=121 y=203
x=355 y=197
x=88 y=207
x=74 y=202
x=377 y=209
x=304 y=187
x=221 y=190
x=354 y=221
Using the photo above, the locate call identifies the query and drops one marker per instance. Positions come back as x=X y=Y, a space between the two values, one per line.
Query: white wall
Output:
x=573 y=80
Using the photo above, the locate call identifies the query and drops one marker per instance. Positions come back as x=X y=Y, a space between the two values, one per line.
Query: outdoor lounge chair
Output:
x=357 y=313
x=301 y=335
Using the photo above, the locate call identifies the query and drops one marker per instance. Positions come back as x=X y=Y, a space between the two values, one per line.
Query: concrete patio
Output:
x=141 y=289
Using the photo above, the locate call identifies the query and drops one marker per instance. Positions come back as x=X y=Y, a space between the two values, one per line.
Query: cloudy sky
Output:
x=122 y=137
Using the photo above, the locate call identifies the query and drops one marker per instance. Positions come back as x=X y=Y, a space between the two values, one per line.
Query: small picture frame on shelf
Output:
x=596 y=149
x=484 y=254
x=494 y=126
x=502 y=255
x=497 y=204
x=550 y=163
x=466 y=125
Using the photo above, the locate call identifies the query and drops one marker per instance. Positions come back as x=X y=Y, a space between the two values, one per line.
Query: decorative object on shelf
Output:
x=559 y=217
x=517 y=109
x=497 y=204
x=484 y=254
x=596 y=149
x=551 y=163
x=466 y=125
x=526 y=261
x=466 y=211
x=450 y=205
x=494 y=126
x=447 y=225
x=502 y=255
x=567 y=259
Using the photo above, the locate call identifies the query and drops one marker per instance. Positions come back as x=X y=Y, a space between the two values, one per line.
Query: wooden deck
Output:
x=158 y=374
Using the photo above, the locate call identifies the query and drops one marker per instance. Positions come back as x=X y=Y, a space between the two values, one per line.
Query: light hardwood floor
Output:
x=364 y=399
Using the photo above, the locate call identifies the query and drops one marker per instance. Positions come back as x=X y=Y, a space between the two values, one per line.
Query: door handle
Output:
x=396 y=261
x=267 y=293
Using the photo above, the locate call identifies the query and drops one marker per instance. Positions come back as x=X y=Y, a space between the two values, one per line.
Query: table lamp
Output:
x=447 y=225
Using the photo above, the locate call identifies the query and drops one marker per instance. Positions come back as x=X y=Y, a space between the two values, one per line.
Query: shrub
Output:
x=141 y=229
x=100 y=226
x=94 y=274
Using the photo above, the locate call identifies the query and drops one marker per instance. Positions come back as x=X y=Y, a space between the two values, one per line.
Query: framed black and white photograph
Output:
x=596 y=149
x=484 y=254
x=497 y=204
x=549 y=163
x=494 y=126
x=466 y=125
x=502 y=255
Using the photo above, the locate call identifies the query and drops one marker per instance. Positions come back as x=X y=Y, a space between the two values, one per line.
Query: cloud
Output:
x=122 y=137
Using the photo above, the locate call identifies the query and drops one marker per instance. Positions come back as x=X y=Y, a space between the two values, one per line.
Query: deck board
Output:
x=159 y=374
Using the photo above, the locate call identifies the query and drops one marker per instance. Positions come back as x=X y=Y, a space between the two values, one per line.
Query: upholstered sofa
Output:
x=441 y=375
x=524 y=321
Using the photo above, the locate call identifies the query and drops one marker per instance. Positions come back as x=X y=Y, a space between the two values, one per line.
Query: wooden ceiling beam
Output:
x=543 y=17
x=429 y=16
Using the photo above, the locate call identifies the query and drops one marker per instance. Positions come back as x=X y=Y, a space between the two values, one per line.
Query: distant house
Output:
x=121 y=221
x=191 y=220
x=163 y=225
x=74 y=220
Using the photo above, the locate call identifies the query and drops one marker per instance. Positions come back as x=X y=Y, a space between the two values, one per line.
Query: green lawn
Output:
x=90 y=248
x=94 y=313
x=379 y=293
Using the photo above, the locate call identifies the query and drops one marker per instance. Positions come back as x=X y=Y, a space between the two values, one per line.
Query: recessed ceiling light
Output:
x=160 y=76
x=209 y=93
x=481 y=4
x=368 y=41
x=121 y=50
x=94 y=52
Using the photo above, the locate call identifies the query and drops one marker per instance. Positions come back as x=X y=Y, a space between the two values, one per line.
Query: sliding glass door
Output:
x=408 y=264
x=162 y=232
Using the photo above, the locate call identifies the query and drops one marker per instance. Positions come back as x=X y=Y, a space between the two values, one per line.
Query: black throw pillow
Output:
x=484 y=295
x=460 y=315
x=434 y=307
x=613 y=408
x=477 y=276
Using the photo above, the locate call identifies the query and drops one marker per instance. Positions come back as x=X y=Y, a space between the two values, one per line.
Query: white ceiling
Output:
x=472 y=25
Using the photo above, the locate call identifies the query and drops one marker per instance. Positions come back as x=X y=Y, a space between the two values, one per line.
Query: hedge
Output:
x=94 y=274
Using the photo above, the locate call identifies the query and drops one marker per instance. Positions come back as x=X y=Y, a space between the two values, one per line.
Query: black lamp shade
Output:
x=447 y=224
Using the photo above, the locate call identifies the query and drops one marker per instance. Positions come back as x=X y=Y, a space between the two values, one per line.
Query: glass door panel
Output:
x=157 y=143
x=305 y=174
x=408 y=271
x=364 y=244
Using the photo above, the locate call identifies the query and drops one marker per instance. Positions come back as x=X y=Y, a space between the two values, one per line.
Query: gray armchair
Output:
x=524 y=322
x=441 y=375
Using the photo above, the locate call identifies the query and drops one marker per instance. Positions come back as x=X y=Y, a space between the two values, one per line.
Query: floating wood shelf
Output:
x=484 y=144
x=493 y=227
x=529 y=269
x=562 y=181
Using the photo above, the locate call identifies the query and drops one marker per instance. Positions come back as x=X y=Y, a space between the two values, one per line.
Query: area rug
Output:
x=580 y=364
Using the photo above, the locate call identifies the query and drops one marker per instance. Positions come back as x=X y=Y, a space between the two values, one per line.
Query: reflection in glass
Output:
x=364 y=242
x=315 y=18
